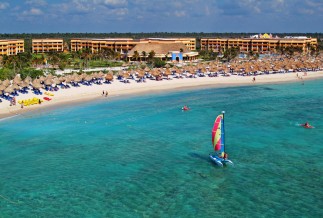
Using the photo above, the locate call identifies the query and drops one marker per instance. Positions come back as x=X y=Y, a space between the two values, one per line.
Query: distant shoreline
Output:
x=74 y=96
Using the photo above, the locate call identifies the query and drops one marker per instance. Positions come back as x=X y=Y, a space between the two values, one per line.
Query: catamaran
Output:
x=220 y=157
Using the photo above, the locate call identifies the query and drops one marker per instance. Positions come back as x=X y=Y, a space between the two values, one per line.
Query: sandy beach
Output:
x=88 y=93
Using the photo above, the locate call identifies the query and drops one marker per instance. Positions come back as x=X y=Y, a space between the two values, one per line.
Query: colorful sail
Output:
x=217 y=135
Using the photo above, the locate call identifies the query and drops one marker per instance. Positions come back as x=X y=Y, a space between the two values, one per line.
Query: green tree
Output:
x=136 y=55
x=151 y=55
x=158 y=62
x=231 y=53
x=144 y=54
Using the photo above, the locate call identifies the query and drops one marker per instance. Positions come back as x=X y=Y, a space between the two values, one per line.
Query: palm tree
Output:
x=86 y=56
x=136 y=55
x=144 y=54
x=151 y=54
x=117 y=55
x=166 y=56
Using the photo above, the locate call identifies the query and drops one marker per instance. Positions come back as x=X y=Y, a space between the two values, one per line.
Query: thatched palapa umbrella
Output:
x=6 y=82
x=48 y=82
x=109 y=77
x=9 y=89
x=2 y=87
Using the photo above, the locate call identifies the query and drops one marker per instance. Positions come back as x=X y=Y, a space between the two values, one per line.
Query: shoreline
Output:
x=84 y=94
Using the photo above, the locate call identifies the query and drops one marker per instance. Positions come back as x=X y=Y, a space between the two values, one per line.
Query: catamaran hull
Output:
x=220 y=161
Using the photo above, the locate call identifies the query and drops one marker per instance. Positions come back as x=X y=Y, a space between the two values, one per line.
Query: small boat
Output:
x=220 y=157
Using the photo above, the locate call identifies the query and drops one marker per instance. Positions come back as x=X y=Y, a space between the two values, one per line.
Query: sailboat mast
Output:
x=223 y=112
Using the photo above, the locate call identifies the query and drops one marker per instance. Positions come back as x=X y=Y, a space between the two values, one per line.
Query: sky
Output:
x=104 y=16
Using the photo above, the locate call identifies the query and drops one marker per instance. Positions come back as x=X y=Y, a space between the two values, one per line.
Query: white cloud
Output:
x=114 y=2
x=4 y=5
x=32 y=12
x=36 y=2
x=180 y=13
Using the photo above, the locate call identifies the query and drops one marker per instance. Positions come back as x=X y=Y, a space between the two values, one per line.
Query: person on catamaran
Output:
x=223 y=155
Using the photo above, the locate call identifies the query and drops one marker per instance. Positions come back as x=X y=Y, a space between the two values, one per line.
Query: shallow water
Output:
x=144 y=157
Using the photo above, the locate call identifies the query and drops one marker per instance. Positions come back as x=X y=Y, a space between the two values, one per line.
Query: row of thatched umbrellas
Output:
x=237 y=66
x=17 y=83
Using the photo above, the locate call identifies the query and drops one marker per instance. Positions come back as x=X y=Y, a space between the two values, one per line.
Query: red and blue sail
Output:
x=218 y=135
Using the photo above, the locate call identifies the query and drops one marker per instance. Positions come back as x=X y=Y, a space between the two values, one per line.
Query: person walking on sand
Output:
x=103 y=93
x=254 y=79
x=106 y=93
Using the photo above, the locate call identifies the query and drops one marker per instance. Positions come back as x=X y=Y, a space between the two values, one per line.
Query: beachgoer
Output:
x=22 y=104
x=307 y=125
x=106 y=93
x=254 y=79
x=103 y=93
x=39 y=101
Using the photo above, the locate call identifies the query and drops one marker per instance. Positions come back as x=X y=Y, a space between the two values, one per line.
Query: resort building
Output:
x=258 y=45
x=174 y=51
x=47 y=45
x=124 y=45
x=11 y=46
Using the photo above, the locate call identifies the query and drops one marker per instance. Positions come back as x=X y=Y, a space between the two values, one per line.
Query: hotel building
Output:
x=124 y=45
x=11 y=46
x=47 y=45
x=262 y=45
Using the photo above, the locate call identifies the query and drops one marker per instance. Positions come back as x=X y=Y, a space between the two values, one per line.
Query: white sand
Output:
x=86 y=93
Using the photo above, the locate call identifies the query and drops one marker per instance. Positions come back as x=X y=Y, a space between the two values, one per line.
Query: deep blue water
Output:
x=144 y=157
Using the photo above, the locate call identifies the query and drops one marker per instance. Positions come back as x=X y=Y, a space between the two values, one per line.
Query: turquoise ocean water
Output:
x=143 y=157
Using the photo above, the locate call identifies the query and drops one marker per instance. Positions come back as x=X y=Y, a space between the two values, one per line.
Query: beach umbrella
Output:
x=82 y=76
x=42 y=78
x=56 y=81
x=167 y=66
x=93 y=75
x=120 y=73
x=88 y=78
x=50 y=76
x=15 y=87
x=28 y=79
x=17 y=79
x=67 y=79
x=155 y=74
x=2 y=87
x=48 y=82
x=6 y=82
x=61 y=79
x=9 y=89
x=78 y=78
x=101 y=74
x=37 y=85
x=167 y=72
x=126 y=75
x=109 y=77
x=24 y=84
x=141 y=74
